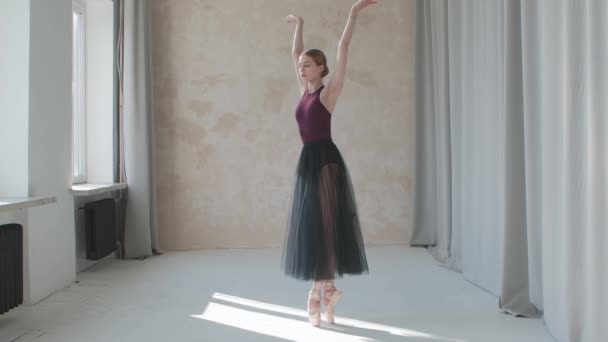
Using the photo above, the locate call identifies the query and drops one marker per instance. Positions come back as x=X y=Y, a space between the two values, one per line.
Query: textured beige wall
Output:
x=227 y=142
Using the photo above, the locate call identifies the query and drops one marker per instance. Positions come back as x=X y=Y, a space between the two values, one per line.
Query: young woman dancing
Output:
x=323 y=237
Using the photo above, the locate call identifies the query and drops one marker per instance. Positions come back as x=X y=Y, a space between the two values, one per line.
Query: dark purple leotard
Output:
x=314 y=120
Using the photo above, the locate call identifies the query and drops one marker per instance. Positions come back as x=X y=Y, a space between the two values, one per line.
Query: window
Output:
x=78 y=94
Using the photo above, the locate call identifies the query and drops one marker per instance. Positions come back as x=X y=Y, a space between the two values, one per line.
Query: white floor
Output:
x=241 y=295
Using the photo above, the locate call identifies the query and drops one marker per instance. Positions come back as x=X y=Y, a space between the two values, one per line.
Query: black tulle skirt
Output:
x=323 y=237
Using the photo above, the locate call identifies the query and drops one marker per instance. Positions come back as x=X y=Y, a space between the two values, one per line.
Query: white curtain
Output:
x=565 y=46
x=135 y=78
x=511 y=157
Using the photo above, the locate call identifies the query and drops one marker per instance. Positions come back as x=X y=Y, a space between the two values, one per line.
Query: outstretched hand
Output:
x=361 y=4
x=292 y=18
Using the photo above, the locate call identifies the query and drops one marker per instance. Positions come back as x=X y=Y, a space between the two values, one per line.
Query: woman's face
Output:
x=309 y=70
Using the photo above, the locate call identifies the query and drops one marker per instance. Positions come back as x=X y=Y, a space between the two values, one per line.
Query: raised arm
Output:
x=337 y=79
x=298 y=47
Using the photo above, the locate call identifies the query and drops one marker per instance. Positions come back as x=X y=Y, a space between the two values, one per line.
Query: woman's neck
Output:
x=313 y=86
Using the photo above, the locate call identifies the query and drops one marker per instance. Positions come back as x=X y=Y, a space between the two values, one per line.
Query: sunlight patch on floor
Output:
x=271 y=325
x=296 y=329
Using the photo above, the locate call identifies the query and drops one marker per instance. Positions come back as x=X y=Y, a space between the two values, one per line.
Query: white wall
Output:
x=51 y=228
x=14 y=83
x=36 y=129
x=99 y=83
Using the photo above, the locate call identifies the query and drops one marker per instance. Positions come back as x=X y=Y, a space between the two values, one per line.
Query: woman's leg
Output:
x=331 y=295
x=314 y=304
x=329 y=201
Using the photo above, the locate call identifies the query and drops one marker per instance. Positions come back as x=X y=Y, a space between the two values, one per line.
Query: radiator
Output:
x=11 y=266
x=100 y=228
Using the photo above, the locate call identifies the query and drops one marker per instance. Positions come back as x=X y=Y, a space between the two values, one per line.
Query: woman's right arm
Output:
x=298 y=47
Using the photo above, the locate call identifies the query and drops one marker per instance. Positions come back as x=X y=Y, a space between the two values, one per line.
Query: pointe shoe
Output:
x=314 y=307
x=331 y=296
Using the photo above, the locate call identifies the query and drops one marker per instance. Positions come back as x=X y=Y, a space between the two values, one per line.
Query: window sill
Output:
x=86 y=189
x=16 y=203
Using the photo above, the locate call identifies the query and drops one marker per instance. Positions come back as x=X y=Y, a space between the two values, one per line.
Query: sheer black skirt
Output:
x=323 y=233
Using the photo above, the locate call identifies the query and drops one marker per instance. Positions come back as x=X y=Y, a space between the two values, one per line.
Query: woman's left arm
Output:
x=337 y=79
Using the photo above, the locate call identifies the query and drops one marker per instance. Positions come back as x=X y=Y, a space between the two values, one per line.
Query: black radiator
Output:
x=11 y=266
x=100 y=228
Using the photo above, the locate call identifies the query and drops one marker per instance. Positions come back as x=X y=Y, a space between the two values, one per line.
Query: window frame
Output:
x=79 y=133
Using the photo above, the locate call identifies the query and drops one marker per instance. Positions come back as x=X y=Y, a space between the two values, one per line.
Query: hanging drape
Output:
x=134 y=162
x=510 y=156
